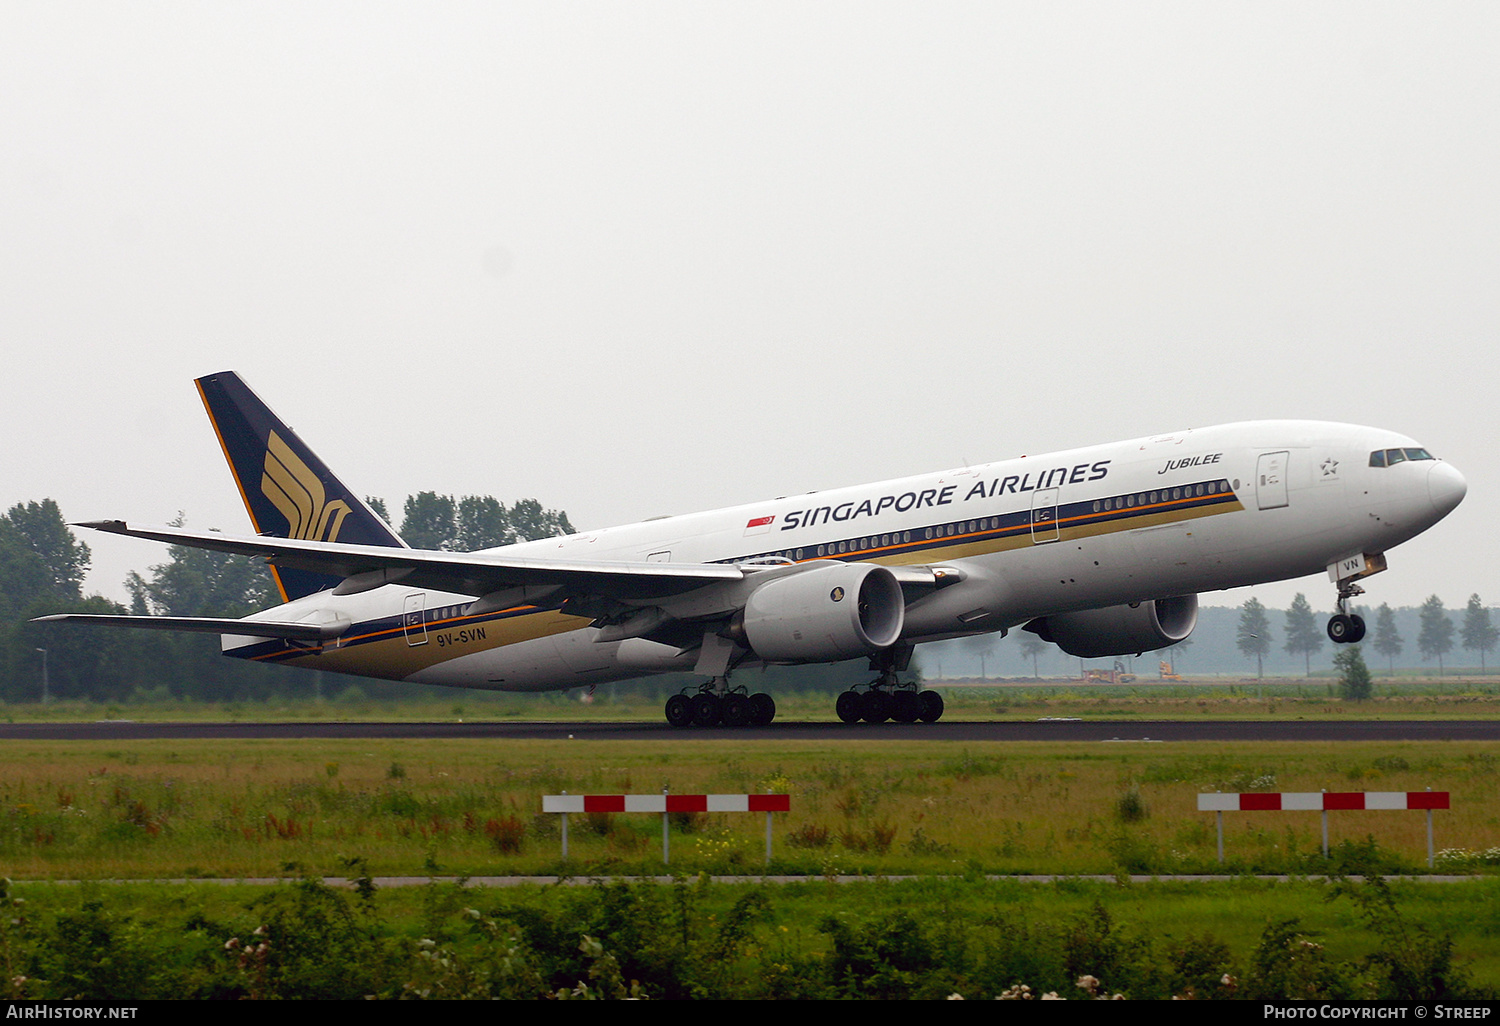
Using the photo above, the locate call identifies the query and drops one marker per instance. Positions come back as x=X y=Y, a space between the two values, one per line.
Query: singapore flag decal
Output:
x=760 y=525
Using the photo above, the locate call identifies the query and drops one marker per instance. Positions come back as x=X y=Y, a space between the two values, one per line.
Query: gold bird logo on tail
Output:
x=296 y=491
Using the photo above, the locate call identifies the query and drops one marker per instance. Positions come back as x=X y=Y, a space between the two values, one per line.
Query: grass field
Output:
x=154 y=809
x=949 y=813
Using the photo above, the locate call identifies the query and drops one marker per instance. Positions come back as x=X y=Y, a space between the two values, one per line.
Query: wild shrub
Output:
x=506 y=833
x=1094 y=946
x=94 y=953
x=1412 y=963
x=1288 y=965
x=1130 y=807
x=877 y=840
x=312 y=944
x=1019 y=952
x=1201 y=967
x=651 y=934
x=1132 y=854
x=921 y=844
x=808 y=835
x=884 y=959
x=1364 y=858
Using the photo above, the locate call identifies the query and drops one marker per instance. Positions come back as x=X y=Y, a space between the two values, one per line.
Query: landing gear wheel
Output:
x=848 y=707
x=906 y=707
x=762 y=709
x=706 y=711
x=680 y=711
x=736 y=710
x=875 y=706
x=1356 y=629
x=932 y=706
x=1340 y=629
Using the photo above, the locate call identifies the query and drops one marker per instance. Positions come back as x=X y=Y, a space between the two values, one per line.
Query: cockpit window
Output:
x=1391 y=457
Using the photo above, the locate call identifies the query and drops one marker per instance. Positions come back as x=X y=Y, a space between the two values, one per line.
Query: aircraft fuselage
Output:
x=1128 y=522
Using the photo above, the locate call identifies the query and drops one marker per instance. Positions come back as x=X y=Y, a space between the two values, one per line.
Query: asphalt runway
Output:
x=957 y=730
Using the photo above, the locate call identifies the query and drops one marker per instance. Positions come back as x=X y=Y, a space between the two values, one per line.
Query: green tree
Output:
x=41 y=528
x=1436 y=635
x=428 y=521
x=1478 y=634
x=482 y=523
x=1303 y=636
x=1032 y=647
x=1254 y=634
x=475 y=522
x=1387 y=640
x=1355 y=684
x=530 y=521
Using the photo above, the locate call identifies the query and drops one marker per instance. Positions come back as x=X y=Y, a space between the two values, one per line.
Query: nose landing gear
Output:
x=1344 y=627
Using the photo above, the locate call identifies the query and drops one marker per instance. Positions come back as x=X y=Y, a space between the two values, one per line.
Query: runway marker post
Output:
x=1324 y=802
x=665 y=804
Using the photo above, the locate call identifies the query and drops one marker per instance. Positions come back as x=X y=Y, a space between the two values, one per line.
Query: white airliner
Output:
x=1102 y=551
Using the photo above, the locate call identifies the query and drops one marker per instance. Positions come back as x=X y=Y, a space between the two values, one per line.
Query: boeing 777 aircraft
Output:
x=1102 y=551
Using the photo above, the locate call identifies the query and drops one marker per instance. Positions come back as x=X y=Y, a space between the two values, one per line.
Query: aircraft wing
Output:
x=364 y=567
x=205 y=625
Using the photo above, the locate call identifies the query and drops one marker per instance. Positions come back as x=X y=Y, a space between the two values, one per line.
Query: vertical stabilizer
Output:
x=288 y=491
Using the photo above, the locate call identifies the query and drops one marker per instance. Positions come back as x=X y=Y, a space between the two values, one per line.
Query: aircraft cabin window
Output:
x=1394 y=456
x=1377 y=458
x=1418 y=454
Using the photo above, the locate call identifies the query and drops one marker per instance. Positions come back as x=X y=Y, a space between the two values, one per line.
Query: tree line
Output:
x=1303 y=632
x=42 y=569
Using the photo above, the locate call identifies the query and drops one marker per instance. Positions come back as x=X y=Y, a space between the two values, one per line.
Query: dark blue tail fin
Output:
x=287 y=489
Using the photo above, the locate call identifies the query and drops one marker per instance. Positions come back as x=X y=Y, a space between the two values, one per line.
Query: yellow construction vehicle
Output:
x=1118 y=675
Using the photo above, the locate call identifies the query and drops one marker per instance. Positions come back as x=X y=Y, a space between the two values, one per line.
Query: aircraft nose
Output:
x=1446 y=487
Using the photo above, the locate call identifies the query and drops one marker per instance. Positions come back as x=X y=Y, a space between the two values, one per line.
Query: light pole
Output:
x=43 y=651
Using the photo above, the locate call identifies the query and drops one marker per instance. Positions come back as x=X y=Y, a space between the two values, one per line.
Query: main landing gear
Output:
x=712 y=707
x=886 y=698
x=1344 y=627
x=881 y=701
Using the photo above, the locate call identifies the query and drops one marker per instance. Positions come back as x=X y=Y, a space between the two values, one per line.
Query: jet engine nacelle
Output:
x=1120 y=630
x=839 y=611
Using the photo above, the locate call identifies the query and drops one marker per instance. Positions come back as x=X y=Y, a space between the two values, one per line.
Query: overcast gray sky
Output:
x=648 y=258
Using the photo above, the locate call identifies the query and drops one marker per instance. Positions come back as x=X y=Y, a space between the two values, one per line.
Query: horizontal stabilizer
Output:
x=208 y=625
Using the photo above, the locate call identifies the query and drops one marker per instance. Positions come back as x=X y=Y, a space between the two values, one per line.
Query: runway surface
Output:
x=958 y=730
